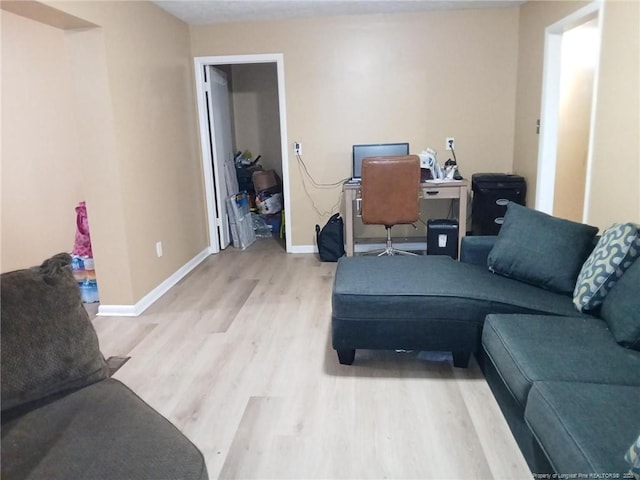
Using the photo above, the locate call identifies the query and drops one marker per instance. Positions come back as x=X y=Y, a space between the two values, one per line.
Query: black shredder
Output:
x=491 y=193
x=442 y=238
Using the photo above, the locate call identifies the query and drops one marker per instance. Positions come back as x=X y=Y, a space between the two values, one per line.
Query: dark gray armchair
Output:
x=62 y=417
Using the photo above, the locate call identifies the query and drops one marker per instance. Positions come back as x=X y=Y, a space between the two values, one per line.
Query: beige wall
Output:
x=256 y=112
x=150 y=79
x=41 y=164
x=362 y=79
x=613 y=197
x=615 y=193
x=138 y=141
x=535 y=16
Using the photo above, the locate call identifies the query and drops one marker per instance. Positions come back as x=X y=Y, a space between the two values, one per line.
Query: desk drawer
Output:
x=440 y=192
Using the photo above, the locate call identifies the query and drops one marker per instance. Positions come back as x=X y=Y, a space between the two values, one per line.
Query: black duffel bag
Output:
x=331 y=239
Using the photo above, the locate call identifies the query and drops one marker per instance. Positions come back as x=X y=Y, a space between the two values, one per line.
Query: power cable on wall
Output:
x=305 y=173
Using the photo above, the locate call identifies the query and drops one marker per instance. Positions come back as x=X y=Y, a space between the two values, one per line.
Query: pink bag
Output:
x=82 y=246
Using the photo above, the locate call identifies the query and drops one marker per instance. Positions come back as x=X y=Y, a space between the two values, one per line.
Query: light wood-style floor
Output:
x=238 y=356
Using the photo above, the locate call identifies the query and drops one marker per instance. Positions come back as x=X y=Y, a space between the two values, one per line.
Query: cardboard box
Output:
x=264 y=180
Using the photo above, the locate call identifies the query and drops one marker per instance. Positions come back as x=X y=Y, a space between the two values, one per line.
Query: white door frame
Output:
x=548 y=143
x=199 y=63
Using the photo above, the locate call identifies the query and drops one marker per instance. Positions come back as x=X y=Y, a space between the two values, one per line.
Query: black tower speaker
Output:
x=442 y=238
x=491 y=193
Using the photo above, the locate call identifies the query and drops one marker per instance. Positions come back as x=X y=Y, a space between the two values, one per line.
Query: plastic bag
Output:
x=82 y=245
x=269 y=202
x=260 y=226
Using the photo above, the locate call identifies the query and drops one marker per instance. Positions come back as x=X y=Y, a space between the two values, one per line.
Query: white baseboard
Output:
x=304 y=249
x=155 y=294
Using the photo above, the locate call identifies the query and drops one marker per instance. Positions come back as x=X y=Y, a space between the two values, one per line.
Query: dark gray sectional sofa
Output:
x=569 y=391
x=568 y=382
x=62 y=417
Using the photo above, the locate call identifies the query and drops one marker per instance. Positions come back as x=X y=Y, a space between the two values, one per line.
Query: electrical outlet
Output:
x=159 y=249
x=450 y=143
x=297 y=148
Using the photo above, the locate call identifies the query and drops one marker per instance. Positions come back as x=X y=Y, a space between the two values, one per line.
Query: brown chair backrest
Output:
x=390 y=188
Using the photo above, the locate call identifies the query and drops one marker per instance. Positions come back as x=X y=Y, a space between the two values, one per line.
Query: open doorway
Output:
x=568 y=99
x=577 y=76
x=240 y=68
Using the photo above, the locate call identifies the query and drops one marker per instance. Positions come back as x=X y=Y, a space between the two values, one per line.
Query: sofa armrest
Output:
x=475 y=249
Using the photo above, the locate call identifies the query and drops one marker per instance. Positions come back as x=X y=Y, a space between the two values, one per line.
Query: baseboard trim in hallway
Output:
x=155 y=294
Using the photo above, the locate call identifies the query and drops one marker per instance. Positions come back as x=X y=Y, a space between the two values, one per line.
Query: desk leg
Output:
x=349 y=196
x=462 y=217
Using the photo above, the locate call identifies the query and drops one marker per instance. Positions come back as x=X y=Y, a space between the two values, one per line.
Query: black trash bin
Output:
x=491 y=193
x=442 y=237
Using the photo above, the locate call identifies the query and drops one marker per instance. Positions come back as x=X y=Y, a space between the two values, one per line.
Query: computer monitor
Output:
x=376 y=150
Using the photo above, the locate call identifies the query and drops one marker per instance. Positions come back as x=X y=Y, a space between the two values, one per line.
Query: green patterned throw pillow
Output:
x=633 y=458
x=615 y=252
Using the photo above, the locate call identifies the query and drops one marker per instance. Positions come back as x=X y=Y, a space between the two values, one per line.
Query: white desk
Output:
x=428 y=191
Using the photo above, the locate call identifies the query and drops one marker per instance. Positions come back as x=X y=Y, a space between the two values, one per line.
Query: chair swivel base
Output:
x=389 y=249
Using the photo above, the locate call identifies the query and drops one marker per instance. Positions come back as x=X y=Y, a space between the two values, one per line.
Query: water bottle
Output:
x=89 y=268
x=79 y=273
x=85 y=291
x=89 y=291
x=93 y=289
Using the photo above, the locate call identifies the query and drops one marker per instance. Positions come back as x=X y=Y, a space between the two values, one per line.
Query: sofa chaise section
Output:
x=425 y=303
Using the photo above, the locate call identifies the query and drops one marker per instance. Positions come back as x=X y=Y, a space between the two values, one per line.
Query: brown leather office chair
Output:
x=390 y=188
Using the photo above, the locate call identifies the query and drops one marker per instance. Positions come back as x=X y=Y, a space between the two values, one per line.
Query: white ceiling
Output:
x=203 y=12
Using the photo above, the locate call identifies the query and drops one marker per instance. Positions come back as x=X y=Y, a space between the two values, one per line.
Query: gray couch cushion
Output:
x=529 y=348
x=103 y=431
x=621 y=308
x=540 y=249
x=584 y=427
x=48 y=342
x=433 y=287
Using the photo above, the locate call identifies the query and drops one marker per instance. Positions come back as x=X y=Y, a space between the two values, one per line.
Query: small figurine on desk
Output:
x=451 y=170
